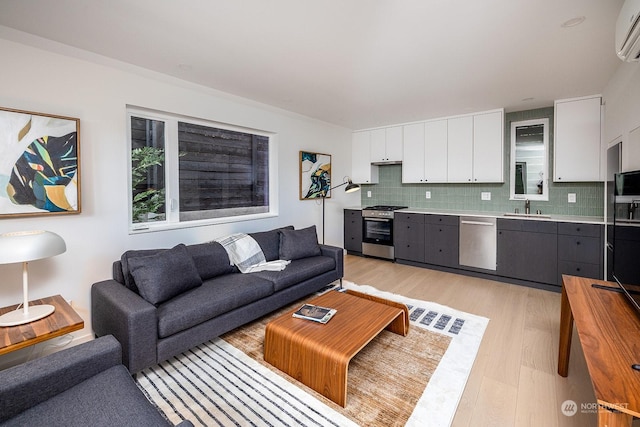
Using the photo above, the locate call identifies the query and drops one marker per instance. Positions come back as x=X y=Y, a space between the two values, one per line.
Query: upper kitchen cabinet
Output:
x=362 y=171
x=425 y=152
x=460 y=149
x=475 y=147
x=488 y=147
x=386 y=145
x=577 y=140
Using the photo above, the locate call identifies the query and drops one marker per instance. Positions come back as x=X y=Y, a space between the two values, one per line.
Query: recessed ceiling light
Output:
x=573 y=22
x=528 y=99
x=185 y=67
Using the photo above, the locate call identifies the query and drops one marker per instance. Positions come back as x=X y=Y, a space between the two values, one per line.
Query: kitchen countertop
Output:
x=551 y=217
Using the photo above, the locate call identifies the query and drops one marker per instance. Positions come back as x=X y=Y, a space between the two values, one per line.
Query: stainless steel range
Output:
x=377 y=231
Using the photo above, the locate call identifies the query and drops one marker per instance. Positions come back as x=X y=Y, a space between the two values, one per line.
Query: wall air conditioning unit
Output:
x=628 y=31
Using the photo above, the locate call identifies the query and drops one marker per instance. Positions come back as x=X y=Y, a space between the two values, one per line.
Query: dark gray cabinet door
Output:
x=408 y=237
x=442 y=244
x=580 y=250
x=353 y=230
x=528 y=251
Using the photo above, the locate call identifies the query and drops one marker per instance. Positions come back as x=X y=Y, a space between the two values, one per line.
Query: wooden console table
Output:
x=609 y=331
x=62 y=321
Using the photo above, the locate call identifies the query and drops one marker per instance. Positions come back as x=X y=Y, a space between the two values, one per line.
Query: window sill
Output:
x=165 y=226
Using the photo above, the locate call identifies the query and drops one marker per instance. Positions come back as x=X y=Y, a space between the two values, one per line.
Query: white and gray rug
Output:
x=215 y=384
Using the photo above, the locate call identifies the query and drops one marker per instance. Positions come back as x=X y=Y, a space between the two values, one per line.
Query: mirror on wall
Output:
x=529 y=164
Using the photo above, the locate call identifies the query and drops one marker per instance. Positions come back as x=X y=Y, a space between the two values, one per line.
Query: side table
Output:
x=60 y=322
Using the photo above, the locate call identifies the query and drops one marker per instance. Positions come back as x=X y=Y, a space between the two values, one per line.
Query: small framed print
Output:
x=39 y=164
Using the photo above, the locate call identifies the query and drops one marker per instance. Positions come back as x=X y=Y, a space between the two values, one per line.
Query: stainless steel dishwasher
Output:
x=478 y=241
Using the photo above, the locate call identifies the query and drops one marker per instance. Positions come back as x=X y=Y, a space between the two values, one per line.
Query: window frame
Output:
x=172 y=192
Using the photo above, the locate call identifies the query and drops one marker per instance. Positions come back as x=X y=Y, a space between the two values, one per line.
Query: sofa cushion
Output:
x=215 y=297
x=269 y=242
x=211 y=259
x=164 y=275
x=296 y=244
x=129 y=281
x=298 y=271
x=109 y=398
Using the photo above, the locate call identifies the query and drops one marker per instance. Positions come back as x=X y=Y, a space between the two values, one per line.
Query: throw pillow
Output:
x=129 y=281
x=269 y=242
x=296 y=244
x=164 y=275
x=210 y=259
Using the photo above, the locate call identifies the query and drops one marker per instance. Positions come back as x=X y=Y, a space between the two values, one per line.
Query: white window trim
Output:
x=172 y=193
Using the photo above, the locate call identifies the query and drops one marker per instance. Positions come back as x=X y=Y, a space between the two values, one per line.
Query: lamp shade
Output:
x=351 y=187
x=23 y=246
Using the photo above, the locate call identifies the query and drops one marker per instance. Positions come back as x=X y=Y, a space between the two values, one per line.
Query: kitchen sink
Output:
x=527 y=215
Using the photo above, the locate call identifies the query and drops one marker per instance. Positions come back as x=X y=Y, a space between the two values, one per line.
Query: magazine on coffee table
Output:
x=315 y=313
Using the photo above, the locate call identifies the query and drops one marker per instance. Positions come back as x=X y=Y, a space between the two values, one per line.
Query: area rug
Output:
x=415 y=380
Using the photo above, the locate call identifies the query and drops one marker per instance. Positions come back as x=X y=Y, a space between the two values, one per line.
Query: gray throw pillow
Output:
x=296 y=244
x=164 y=275
x=269 y=242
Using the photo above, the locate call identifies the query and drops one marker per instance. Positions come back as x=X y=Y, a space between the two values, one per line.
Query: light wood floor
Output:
x=514 y=381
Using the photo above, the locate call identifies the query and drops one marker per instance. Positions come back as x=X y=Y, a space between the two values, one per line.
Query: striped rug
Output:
x=419 y=381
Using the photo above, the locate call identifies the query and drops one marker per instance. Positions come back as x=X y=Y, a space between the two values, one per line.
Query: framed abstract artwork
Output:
x=39 y=164
x=315 y=175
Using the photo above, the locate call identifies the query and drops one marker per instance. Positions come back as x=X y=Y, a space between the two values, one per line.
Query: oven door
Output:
x=378 y=231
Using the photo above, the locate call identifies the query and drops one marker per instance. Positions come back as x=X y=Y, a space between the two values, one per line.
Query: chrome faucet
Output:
x=527 y=206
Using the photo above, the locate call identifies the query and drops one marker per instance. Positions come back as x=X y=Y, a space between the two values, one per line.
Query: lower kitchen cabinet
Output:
x=353 y=230
x=528 y=250
x=580 y=250
x=442 y=242
x=409 y=237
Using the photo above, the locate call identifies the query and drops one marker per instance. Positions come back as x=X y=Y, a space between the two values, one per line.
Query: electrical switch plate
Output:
x=571 y=197
x=485 y=195
x=369 y=193
x=427 y=194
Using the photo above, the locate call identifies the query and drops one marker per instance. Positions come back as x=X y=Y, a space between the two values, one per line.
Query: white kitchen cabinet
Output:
x=475 y=148
x=435 y=148
x=386 y=144
x=414 y=153
x=425 y=152
x=577 y=140
x=362 y=171
x=460 y=149
x=488 y=147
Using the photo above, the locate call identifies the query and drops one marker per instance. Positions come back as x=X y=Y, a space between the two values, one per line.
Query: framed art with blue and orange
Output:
x=315 y=175
x=39 y=164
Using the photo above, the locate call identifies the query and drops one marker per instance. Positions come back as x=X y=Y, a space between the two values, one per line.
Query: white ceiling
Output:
x=356 y=63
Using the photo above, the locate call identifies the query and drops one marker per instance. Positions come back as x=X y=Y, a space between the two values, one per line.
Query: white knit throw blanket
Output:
x=245 y=253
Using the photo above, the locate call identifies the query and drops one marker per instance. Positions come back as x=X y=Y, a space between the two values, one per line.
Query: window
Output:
x=187 y=172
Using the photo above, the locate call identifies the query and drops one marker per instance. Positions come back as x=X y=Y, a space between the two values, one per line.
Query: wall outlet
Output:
x=485 y=195
x=571 y=197
x=427 y=194
x=369 y=193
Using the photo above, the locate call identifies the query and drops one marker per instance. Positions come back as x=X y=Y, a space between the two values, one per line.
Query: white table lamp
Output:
x=25 y=246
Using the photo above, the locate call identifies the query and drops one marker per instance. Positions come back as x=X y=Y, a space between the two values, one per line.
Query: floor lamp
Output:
x=351 y=187
x=25 y=246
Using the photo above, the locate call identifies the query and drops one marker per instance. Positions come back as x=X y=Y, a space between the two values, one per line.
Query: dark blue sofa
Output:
x=85 y=385
x=163 y=302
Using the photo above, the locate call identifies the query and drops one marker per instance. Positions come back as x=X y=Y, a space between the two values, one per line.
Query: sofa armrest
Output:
x=118 y=311
x=31 y=383
x=337 y=254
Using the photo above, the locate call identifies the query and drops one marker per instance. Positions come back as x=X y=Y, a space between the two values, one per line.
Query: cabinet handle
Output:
x=578 y=243
x=578 y=229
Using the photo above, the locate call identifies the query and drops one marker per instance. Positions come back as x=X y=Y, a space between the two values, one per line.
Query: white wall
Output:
x=39 y=80
x=622 y=113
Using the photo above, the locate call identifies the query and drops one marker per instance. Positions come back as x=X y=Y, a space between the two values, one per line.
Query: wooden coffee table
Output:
x=318 y=355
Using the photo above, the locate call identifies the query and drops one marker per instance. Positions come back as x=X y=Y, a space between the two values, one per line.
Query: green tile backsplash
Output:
x=466 y=197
